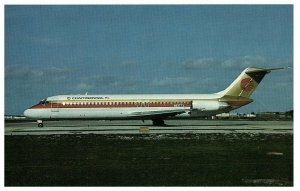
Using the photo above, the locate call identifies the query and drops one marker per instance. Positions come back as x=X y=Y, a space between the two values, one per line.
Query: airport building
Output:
x=257 y=116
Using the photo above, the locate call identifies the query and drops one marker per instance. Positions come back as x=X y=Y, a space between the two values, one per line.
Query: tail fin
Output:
x=246 y=82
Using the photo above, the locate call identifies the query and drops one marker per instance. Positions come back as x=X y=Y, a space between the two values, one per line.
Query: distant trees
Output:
x=290 y=113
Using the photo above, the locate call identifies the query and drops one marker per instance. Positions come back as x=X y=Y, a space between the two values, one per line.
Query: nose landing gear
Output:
x=40 y=123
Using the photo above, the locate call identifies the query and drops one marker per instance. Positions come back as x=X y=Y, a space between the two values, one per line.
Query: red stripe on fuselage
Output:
x=59 y=105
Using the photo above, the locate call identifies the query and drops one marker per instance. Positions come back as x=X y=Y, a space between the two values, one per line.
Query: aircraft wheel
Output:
x=158 y=122
x=40 y=125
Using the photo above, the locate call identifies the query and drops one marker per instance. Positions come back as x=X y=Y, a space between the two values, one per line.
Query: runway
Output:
x=133 y=153
x=139 y=127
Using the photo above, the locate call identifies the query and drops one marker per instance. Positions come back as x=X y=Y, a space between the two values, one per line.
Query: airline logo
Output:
x=247 y=84
x=86 y=98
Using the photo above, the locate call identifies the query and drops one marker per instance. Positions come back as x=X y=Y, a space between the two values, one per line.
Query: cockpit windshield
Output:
x=44 y=101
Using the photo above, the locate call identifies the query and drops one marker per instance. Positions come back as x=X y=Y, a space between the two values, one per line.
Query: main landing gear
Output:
x=40 y=123
x=158 y=122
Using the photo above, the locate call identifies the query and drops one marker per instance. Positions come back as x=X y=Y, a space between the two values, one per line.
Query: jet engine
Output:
x=209 y=105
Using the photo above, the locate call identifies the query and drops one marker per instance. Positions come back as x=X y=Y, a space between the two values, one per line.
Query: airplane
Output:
x=155 y=107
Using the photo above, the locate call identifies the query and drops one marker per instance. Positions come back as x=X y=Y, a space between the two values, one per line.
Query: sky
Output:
x=118 y=49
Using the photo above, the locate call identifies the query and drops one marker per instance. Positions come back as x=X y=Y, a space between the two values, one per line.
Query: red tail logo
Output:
x=247 y=84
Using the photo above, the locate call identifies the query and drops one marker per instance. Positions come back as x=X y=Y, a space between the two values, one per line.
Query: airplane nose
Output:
x=28 y=113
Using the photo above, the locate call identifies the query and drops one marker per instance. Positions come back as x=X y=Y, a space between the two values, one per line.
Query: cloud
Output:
x=26 y=73
x=56 y=70
x=244 y=62
x=168 y=81
x=104 y=83
x=236 y=63
x=84 y=86
x=200 y=63
x=254 y=61
x=22 y=72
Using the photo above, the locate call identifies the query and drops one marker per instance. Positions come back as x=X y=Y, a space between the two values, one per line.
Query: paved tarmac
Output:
x=139 y=127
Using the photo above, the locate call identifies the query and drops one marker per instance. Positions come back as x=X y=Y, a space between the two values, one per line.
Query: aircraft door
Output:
x=54 y=107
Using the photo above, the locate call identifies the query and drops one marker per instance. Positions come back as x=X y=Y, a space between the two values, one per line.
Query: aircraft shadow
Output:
x=149 y=125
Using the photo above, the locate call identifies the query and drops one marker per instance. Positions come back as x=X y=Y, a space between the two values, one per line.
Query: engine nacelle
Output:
x=209 y=105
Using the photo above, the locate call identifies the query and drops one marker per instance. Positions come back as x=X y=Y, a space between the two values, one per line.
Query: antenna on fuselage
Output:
x=86 y=93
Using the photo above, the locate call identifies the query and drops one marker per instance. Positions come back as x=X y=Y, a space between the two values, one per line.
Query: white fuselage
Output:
x=127 y=106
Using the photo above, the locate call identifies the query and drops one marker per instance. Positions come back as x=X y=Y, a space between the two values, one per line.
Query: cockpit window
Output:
x=44 y=101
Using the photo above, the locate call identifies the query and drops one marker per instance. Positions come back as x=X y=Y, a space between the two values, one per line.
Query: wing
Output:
x=159 y=113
